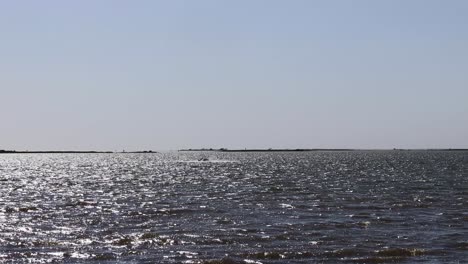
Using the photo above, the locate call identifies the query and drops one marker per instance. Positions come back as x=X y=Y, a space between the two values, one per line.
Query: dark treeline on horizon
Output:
x=218 y=150
x=317 y=149
x=68 y=152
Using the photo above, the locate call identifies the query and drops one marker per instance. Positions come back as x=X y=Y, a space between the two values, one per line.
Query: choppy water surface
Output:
x=317 y=207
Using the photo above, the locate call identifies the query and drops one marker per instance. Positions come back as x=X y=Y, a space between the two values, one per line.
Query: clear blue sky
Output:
x=133 y=75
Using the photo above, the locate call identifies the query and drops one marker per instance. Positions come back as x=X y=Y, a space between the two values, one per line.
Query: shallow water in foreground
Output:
x=316 y=207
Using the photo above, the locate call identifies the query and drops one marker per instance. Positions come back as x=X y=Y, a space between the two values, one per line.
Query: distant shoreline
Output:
x=72 y=152
x=262 y=150
x=309 y=150
x=218 y=150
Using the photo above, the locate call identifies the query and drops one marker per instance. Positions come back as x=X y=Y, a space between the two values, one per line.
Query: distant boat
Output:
x=203 y=159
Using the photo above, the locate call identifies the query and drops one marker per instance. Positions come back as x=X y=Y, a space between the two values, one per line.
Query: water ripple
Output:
x=327 y=207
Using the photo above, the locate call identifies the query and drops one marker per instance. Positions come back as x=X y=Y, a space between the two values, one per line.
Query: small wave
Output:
x=372 y=260
x=461 y=245
x=104 y=256
x=222 y=261
x=345 y=252
x=266 y=255
x=277 y=255
x=401 y=252
x=207 y=161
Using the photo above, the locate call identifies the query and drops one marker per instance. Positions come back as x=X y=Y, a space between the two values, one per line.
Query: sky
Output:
x=165 y=75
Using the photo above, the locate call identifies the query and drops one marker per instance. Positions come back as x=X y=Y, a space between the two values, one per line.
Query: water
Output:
x=317 y=207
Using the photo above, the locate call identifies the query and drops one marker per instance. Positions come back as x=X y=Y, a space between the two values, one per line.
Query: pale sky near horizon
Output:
x=137 y=75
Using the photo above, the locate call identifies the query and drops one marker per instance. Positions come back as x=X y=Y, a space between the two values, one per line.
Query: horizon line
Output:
x=2 y=151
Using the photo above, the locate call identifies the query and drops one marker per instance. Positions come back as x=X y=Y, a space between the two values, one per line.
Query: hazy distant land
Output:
x=310 y=150
x=263 y=150
x=69 y=152
x=216 y=150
